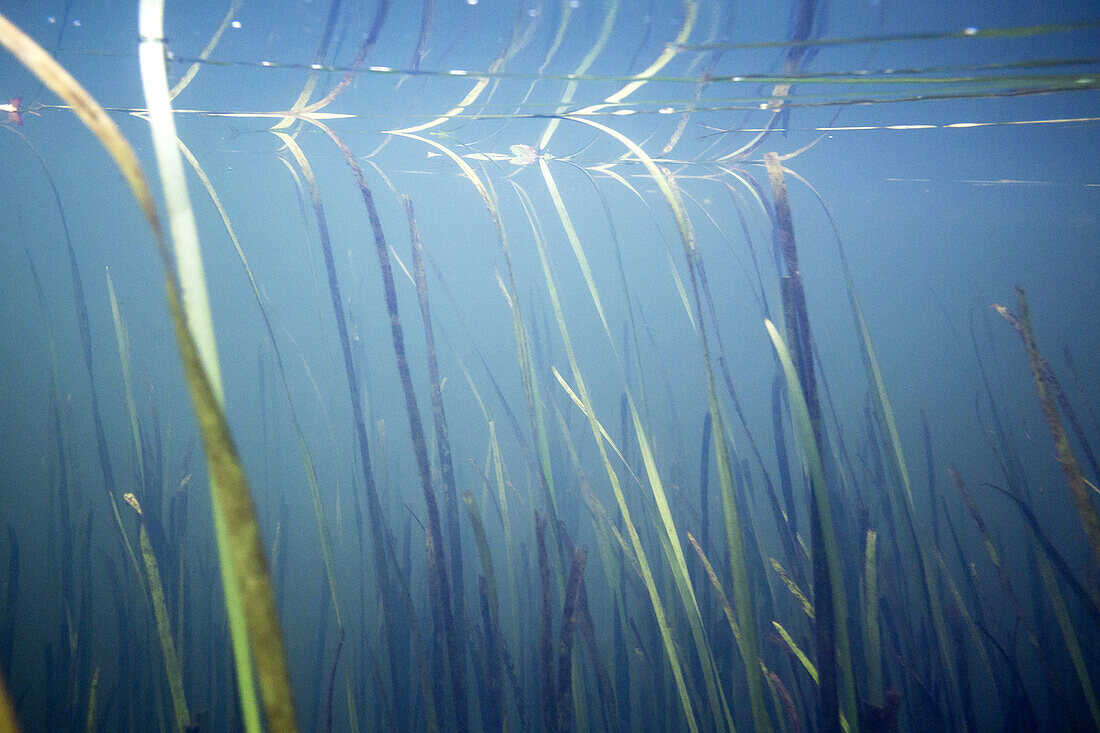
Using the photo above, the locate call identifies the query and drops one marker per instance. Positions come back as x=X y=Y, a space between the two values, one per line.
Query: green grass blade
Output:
x=123 y=339
x=250 y=598
x=884 y=414
x=482 y=541
x=635 y=541
x=746 y=616
x=232 y=491
x=1065 y=623
x=801 y=416
x=164 y=630
x=872 y=637
x=792 y=586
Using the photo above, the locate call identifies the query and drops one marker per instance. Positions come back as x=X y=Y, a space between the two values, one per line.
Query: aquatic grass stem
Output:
x=384 y=561
x=164 y=631
x=836 y=616
x=232 y=499
x=1077 y=484
x=745 y=611
x=443 y=605
x=250 y=599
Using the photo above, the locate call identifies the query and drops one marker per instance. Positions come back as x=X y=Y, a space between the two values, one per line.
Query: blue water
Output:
x=949 y=149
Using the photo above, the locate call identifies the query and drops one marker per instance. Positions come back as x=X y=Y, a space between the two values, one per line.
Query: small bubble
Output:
x=532 y=12
x=970 y=31
x=574 y=4
x=77 y=23
x=50 y=19
x=471 y=2
x=236 y=24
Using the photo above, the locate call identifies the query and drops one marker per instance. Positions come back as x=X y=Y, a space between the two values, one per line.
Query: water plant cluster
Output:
x=612 y=530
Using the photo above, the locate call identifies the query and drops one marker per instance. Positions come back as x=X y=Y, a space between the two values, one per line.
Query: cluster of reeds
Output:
x=573 y=584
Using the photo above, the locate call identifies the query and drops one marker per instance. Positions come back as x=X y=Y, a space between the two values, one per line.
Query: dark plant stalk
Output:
x=1072 y=366
x=439 y=418
x=565 y=642
x=930 y=468
x=321 y=627
x=826 y=627
x=1088 y=600
x=494 y=709
x=11 y=596
x=546 y=636
x=379 y=529
x=608 y=704
x=443 y=607
x=1002 y=574
x=704 y=502
x=332 y=681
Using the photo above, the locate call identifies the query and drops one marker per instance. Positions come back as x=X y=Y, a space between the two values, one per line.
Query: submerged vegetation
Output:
x=575 y=453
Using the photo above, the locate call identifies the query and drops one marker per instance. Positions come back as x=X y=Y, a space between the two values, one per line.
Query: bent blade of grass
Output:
x=181 y=220
x=479 y=86
x=575 y=243
x=250 y=598
x=227 y=479
x=582 y=68
x=691 y=11
x=746 y=615
x=677 y=280
x=193 y=69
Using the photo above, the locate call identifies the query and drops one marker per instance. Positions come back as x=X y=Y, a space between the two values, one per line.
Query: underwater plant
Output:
x=525 y=425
